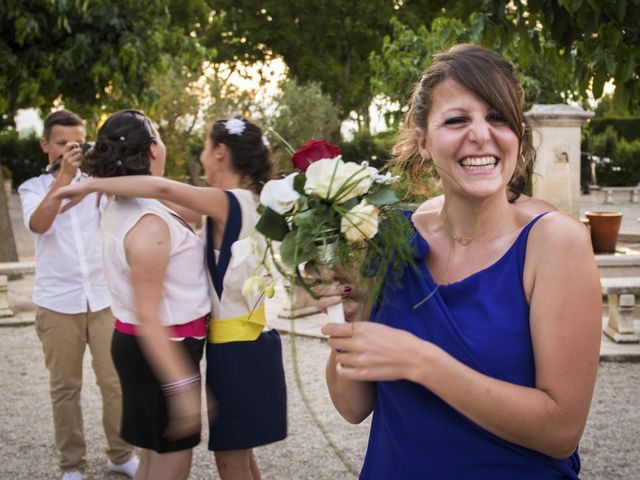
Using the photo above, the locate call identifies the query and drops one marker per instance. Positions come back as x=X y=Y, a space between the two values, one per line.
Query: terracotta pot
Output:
x=604 y=230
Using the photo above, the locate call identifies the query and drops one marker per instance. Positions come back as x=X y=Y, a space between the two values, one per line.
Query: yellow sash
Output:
x=240 y=329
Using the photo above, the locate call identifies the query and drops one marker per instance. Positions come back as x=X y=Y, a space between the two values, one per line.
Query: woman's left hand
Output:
x=369 y=351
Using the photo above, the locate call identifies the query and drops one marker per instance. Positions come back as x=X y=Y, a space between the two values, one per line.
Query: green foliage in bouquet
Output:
x=340 y=215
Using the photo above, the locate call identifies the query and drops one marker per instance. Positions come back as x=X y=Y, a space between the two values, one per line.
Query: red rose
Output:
x=312 y=152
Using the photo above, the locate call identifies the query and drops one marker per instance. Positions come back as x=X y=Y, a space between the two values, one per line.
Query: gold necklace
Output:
x=459 y=239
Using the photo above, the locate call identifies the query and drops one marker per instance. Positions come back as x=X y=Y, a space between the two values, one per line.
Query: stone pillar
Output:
x=556 y=139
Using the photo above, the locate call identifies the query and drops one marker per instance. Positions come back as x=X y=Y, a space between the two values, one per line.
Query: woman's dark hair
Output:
x=122 y=146
x=250 y=155
x=487 y=75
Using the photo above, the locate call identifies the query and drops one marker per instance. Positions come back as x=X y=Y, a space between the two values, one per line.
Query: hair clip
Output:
x=265 y=141
x=235 y=126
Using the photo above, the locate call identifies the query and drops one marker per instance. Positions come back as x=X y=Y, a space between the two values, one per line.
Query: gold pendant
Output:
x=464 y=241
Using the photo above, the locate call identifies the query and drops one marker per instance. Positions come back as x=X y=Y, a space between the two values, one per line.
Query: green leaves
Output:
x=297 y=248
x=103 y=54
x=272 y=225
x=384 y=196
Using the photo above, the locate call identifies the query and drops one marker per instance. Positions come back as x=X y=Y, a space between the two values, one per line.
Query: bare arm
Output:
x=208 y=201
x=45 y=214
x=562 y=280
x=147 y=249
x=191 y=216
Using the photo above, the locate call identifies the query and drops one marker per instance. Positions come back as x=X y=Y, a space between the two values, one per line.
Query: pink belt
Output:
x=197 y=328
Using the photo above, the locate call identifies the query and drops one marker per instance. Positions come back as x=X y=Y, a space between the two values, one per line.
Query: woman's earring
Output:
x=522 y=159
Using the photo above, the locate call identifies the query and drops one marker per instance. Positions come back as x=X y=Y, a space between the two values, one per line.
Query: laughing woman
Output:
x=482 y=363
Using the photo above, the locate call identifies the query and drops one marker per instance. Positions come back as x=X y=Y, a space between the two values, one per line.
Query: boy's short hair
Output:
x=61 y=117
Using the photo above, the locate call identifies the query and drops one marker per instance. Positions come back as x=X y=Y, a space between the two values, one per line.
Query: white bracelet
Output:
x=180 y=385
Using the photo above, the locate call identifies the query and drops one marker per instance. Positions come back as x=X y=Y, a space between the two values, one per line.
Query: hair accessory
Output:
x=265 y=141
x=235 y=126
x=122 y=138
x=119 y=163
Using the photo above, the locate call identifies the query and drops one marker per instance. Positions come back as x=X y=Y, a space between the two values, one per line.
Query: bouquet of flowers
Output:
x=332 y=214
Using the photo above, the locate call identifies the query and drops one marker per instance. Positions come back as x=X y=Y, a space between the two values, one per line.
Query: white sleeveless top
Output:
x=233 y=303
x=185 y=295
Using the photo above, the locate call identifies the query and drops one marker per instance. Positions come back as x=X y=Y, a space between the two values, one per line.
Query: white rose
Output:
x=333 y=179
x=279 y=195
x=360 y=222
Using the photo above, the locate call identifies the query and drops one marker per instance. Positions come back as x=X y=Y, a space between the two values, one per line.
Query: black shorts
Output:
x=247 y=381
x=144 y=408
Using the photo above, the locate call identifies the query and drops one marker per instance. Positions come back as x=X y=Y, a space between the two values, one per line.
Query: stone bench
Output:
x=634 y=193
x=621 y=296
x=11 y=268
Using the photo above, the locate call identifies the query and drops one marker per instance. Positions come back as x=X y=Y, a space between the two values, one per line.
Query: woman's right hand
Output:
x=184 y=413
x=333 y=287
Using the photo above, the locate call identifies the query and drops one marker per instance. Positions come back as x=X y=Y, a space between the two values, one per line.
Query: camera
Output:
x=84 y=147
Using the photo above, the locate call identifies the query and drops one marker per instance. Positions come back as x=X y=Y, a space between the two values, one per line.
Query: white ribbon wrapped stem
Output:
x=325 y=257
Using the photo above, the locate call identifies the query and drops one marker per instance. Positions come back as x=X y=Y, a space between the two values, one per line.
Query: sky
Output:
x=28 y=121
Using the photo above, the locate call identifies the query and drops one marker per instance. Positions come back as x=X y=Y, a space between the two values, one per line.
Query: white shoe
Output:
x=127 y=468
x=72 y=475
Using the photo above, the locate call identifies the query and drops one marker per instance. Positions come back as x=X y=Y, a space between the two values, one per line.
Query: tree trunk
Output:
x=8 y=251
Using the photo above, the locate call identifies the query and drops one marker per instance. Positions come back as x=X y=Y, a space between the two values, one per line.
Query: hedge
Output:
x=623 y=168
x=626 y=127
x=22 y=156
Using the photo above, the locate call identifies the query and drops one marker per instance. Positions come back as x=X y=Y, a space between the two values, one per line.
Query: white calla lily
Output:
x=253 y=286
x=279 y=195
x=242 y=250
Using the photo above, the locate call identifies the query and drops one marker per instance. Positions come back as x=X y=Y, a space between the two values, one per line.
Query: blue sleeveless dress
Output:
x=483 y=321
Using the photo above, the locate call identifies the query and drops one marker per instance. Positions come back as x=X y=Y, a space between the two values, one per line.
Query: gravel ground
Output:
x=610 y=448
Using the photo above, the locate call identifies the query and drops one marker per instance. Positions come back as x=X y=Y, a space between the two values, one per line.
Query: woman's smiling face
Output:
x=472 y=146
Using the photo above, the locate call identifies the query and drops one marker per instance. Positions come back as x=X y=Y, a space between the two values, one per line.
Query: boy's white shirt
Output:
x=69 y=270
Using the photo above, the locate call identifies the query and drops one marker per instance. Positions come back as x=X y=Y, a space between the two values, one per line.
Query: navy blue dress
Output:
x=483 y=321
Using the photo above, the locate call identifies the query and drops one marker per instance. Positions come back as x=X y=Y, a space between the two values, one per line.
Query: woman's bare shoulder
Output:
x=533 y=206
x=559 y=231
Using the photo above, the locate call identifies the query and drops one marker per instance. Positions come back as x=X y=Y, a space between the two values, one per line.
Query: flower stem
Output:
x=286 y=144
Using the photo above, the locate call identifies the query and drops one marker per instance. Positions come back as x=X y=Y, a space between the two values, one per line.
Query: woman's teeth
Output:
x=479 y=162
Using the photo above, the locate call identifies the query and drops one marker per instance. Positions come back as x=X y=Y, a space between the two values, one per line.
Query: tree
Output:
x=91 y=55
x=177 y=111
x=323 y=41
x=302 y=113
x=407 y=53
x=8 y=251
x=603 y=37
x=563 y=50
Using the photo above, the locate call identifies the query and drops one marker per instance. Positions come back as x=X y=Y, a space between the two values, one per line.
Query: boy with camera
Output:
x=72 y=298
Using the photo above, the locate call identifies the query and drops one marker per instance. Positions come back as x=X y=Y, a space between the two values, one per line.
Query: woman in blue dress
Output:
x=481 y=362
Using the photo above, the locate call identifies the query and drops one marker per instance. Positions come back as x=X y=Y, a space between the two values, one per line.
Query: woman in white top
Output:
x=244 y=361
x=155 y=272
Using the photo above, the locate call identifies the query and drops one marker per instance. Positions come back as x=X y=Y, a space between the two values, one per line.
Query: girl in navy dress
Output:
x=481 y=362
